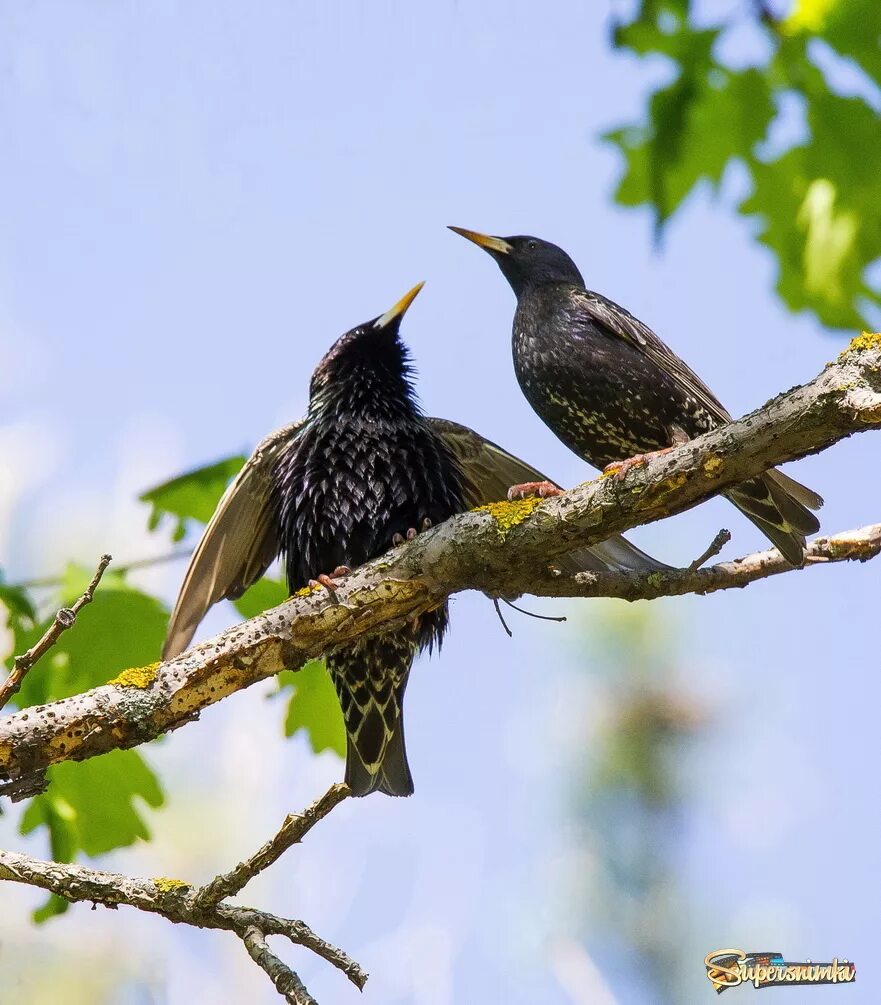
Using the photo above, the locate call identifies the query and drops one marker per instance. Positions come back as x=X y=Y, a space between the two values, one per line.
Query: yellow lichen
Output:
x=166 y=885
x=307 y=591
x=670 y=484
x=140 y=677
x=862 y=343
x=508 y=515
x=713 y=466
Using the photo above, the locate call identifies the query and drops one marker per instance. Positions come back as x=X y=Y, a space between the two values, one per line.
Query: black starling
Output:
x=613 y=392
x=362 y=471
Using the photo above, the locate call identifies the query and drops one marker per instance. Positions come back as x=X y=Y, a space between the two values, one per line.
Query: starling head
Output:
x=371 y=348
x=526 y=261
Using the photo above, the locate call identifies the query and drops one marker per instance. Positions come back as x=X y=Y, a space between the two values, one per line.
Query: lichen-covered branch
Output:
x=852 y=546
x=503 y=550
x=182 y=903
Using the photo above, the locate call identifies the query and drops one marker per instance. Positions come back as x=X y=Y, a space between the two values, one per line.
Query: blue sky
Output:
x=196 y=199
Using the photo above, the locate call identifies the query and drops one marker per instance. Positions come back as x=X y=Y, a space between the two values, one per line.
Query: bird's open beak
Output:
x=484 y=241
x=399 y=309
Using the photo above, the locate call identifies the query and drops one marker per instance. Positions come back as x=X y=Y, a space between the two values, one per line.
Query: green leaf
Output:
x=816 y=204
x=851 y=27
x=314 y=707
x=700 y=125
x=817 y=207
x=19 y=606
x=121 y=628
x=263 y=595
x=191 y=496
x=92 y=807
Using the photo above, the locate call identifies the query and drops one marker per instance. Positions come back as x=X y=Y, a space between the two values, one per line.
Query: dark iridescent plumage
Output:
x=611 y=389
x=334 y=489
x=367 y=466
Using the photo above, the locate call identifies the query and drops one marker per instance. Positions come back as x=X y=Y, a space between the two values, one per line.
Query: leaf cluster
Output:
x=815 y=196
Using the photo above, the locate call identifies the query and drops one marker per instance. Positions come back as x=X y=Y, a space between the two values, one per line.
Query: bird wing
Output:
x=239 y=544
x=622 y=324
x=489 y=471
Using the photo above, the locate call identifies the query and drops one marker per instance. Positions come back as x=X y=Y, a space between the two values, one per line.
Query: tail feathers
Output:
x=616 y=554
x=775 y=505
x=391 y=774
x=370 y=681
x=800 y=493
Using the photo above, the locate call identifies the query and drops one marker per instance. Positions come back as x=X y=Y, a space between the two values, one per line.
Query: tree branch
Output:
x=503 y=550
x=64 y=619
x=184 y=904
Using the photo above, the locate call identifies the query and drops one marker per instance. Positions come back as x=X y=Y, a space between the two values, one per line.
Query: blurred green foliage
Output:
x=632 y=788
x=191 y=496
x=817 y=201
x=94 y=806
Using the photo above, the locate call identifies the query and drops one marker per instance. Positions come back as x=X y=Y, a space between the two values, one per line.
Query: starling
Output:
x=613 y=392
x=364 y=470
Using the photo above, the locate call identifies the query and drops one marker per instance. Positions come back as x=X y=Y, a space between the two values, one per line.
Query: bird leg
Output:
x=411 y=533
x=544 y=490
x=620 y=468
x=329 y=582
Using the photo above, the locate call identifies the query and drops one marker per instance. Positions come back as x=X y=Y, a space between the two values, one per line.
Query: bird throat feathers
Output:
x=366 y=370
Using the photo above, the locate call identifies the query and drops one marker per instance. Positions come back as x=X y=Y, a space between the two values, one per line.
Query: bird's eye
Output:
x=531 y=245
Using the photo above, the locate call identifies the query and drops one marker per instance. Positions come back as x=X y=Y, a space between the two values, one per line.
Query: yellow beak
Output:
x=400 y=307
x=484 y=240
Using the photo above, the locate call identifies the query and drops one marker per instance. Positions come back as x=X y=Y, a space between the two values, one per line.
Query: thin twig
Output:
x=716 y=545
x=64 y=619
x=291 y=832
x=559 y=618
x=499 y=615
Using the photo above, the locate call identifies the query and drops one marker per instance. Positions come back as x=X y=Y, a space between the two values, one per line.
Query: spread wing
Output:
x=621 y=323
x=238 y=545
x=489 y=471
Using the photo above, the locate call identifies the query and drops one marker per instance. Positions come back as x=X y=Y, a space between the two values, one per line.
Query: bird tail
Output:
x=370 y=680
x=781 y=508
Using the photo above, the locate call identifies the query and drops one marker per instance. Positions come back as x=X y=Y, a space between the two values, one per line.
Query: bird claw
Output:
x=411 y=534
x=620 y=468
x=329 y=582
x=544 y=490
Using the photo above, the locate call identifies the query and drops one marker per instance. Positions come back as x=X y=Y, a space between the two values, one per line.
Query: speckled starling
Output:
x=362 y=471
x=613 y=392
